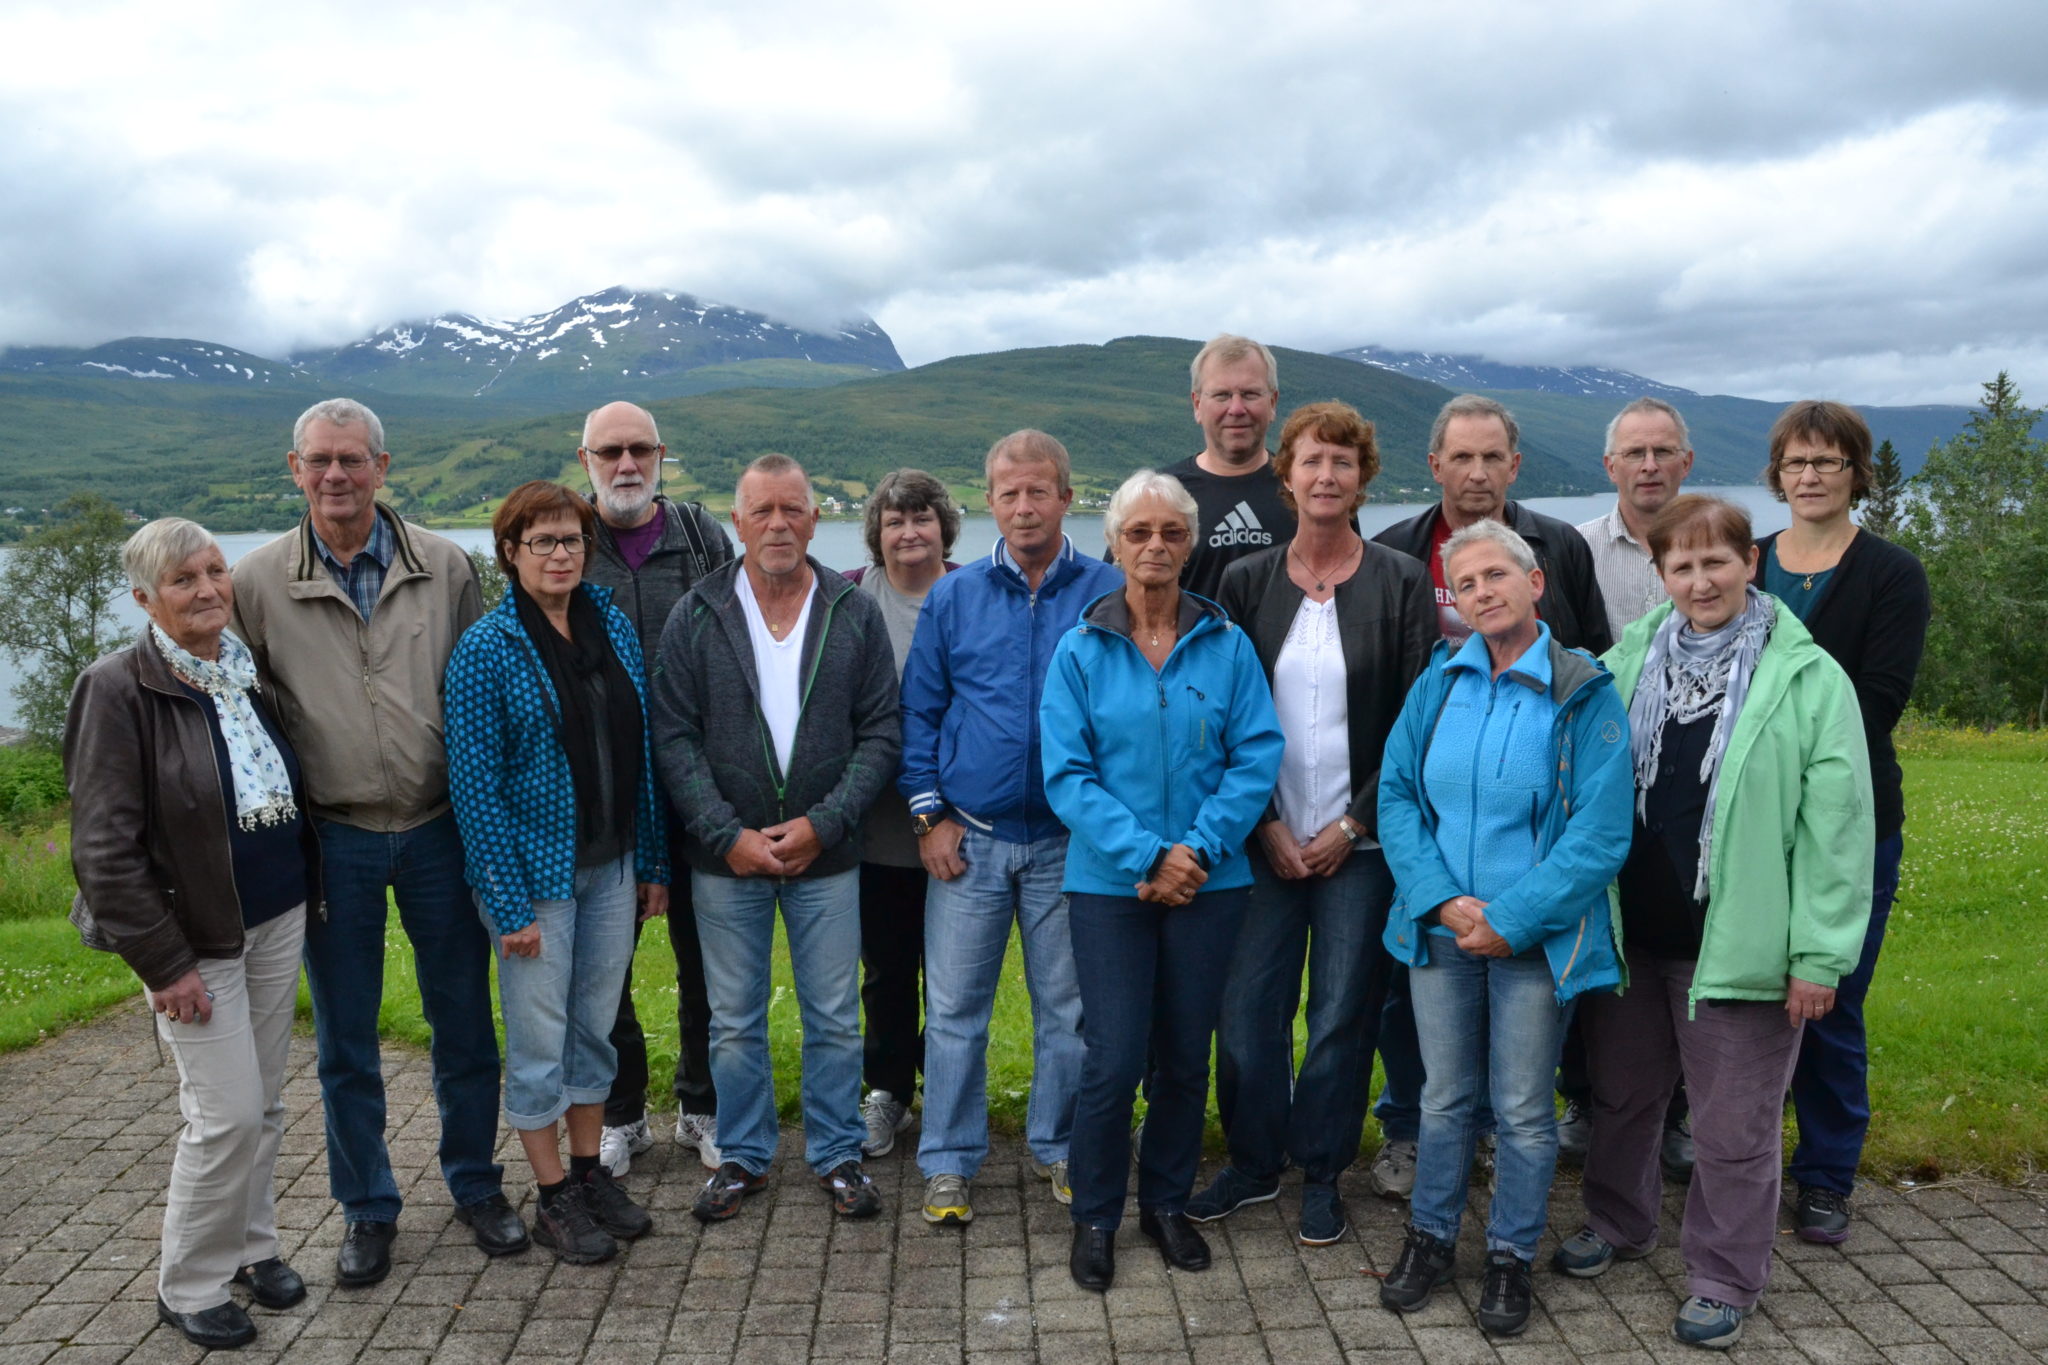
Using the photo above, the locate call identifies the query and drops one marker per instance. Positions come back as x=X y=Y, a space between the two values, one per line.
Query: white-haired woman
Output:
x=195 y=863
x=1160 y=748
x=1504 y=812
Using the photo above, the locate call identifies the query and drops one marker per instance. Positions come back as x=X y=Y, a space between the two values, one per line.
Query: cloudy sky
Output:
x=1772 y=200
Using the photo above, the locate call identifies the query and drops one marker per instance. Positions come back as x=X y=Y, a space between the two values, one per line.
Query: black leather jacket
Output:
x=1571 y=600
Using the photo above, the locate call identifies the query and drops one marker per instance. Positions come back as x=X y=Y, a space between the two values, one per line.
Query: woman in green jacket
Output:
x=1746 y=738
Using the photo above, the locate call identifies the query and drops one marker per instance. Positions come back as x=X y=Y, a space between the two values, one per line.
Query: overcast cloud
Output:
x=1772 y=200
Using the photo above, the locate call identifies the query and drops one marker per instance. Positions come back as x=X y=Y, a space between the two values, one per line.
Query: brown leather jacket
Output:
x=149 y=821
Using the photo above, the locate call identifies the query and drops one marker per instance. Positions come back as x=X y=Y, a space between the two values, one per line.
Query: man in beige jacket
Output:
x=352 y=617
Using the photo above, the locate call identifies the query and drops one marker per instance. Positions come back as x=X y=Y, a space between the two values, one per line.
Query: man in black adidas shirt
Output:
x=1236 y=392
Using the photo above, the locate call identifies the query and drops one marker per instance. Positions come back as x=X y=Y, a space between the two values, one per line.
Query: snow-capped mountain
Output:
x=1462 y=372
x=153 y=358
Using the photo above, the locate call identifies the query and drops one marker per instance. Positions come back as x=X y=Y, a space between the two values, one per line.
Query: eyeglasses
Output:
x=1826 y=464
x=543 y=546
x=1645 y=455
x=1135 y=536
x=639 y=450
x=320 y=464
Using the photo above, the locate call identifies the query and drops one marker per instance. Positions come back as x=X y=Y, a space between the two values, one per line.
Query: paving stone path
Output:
x=88 y=1121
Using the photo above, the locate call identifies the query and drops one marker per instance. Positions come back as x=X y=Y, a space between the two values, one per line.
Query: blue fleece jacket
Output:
x=1577 y=829
x=1138 y=760
x=971 y=686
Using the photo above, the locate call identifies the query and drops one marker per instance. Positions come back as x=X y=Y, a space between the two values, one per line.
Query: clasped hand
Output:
x=1177 y=879
x=1465 y=916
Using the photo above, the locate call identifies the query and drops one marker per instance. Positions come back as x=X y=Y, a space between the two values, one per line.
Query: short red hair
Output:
x=528 y=503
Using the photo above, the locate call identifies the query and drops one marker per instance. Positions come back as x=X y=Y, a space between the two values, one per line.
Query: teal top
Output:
x=1798 y=591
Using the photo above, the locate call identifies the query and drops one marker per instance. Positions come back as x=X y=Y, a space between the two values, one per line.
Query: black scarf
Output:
x=569 y=662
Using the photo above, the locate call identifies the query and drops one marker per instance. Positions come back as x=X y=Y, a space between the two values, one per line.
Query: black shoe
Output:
x=613 y=1208
x=1821 y=1216
x=272 y=1283
x=1177 y=1239
x=1092 y=1261
x=220 y=1328
x=365 y=1255
x=1424 y=1264
x=1504 y=1294
x=499 y=1232
x=566 y=1227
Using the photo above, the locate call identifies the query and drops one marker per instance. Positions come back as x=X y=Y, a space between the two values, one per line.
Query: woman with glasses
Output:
x=554 y=787
x=1864 y=600
x=1160 y=748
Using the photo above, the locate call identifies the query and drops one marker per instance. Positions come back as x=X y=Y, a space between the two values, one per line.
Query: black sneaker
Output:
x=1504 y=1294
x=1230 y=1191
x=720 y=1198
x=1821 y=1215
x=1424 y=1264
x=1322 y=1214
x=565 y=1226
x=613 y=1208
x=853 y=1194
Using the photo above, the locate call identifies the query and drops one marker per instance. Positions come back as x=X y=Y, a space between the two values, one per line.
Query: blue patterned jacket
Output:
x=509 y=777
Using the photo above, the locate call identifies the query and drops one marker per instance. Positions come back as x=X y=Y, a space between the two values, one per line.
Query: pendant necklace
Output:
x=1322 y=576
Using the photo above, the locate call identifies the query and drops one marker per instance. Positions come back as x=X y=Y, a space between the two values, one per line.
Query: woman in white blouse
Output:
x=1342 y=627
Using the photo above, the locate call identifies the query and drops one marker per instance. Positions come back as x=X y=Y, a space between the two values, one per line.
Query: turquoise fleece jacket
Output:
x=508 y=775
x=1795 y=780
x=1137 y=760
x=1582 y=829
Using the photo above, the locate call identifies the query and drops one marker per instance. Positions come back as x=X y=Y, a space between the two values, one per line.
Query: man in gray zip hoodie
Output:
x=775 y=726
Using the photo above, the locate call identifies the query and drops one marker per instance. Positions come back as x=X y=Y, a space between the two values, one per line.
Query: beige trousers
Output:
x=222 y=1210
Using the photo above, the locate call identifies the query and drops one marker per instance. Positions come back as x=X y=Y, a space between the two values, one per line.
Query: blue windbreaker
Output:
x=1137 y=760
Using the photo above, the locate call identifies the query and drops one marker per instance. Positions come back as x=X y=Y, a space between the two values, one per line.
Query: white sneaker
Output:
x=885 y=1117
x=1393 y=1171
x=618 y=1146
x=699 y=1131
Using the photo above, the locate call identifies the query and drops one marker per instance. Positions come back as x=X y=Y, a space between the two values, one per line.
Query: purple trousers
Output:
x=1737 y=1058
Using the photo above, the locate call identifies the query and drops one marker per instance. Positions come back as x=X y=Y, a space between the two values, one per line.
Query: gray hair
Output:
x=772 y=464
x=591 y=416
x=1228 y=349
x=1473 y=405
x=1656 y=405
x=1493 y=533
x=1146 y=483
x=160 y=547
x=1030 y=446
x=343 y=412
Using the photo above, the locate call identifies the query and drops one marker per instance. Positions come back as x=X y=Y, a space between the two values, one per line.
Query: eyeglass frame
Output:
x=577 y=545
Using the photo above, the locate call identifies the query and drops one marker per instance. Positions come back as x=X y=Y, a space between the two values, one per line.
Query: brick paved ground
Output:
x=87 y=1123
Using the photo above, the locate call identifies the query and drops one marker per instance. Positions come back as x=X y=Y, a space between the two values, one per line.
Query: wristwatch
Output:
x=1351 y=831
x=922 y=825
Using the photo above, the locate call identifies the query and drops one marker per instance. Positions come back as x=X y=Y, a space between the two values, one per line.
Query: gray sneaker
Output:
x=1574 y=1133
x=884 y=1116
x=946 y=1200
x=1392 y=1173
x=1708 y=1323
x=1056 y=1172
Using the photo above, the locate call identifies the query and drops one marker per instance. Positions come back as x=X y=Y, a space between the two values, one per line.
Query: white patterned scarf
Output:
x=1686 y=677
x=263 y=786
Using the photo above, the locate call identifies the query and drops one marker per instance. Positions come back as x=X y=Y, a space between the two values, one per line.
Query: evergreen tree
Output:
x=1979 y=523
x=1887 y=484
x=55 y=596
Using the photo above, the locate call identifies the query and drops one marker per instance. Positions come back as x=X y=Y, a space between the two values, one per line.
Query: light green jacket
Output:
x=1795 y=779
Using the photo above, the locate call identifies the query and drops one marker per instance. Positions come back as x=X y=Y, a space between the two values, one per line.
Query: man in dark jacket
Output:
x=649 y=551
x=775 y=725
x=1475 y=454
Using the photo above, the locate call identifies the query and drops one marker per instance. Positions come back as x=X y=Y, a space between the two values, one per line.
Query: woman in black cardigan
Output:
x=1865 y=602
x=1342 y=627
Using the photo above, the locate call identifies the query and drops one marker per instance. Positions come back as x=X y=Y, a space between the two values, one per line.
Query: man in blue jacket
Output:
x=994 y=849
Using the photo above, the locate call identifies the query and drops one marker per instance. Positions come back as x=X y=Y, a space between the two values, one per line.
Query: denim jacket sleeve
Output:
x=479 y=736
x=1073 y=779
x=1407 y=834
x=1253 y=735
x=1598 y=787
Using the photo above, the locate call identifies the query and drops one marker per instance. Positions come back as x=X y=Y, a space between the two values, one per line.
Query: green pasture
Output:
x=1958 y=1027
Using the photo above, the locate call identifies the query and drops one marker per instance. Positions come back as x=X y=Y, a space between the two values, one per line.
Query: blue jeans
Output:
x=1151 y=975
x=966 y=931
x=1488 y=1026
x=1335 y=924
x=559 y=1006
x=1831 y=1083
x=345 y=973
x=736 y=927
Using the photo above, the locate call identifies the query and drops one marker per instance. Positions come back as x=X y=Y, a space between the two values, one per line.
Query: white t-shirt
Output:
x=779 y=665
x=1308 y=693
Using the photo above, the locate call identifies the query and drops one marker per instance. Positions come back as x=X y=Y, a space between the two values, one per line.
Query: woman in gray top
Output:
x=912 y=523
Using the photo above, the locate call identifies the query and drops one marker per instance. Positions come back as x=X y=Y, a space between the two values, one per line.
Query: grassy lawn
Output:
x=1958 y=1027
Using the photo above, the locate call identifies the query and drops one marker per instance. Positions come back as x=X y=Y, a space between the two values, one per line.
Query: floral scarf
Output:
x=263 y=787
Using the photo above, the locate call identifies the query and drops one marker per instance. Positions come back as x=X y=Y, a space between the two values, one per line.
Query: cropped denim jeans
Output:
x=1488 y=1026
